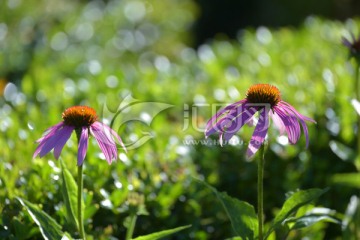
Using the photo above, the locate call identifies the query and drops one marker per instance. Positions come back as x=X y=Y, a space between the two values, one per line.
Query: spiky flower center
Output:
x=263 y=93
x=79 y=116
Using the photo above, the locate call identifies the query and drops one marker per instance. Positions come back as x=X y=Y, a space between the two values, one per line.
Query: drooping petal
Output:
x=260 y=132
x=300 y=116
x=40 y=146
x=228 y=118
x=98 y=136
x=290 y=109
x=118 y=138
x=113 y=133
x=238 y=122
x=225 y=122
x=83 y=145
x=52 y=141
x=105 y=141
x=50 y=131
x=291 y=124
x=213 y=124
x=61 y=142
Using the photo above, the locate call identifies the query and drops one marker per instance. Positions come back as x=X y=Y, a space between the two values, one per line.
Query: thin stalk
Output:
x=260 y=191
x=131 y=228
x=79 y=201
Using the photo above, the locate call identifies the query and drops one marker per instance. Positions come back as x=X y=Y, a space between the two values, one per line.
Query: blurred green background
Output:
x=58 y=54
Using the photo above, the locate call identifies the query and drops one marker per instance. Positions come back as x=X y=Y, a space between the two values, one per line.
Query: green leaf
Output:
x=241 y=214
x=69 y=191
x=292 y=204
x=49 y=228
x=311 y=219
x=348 y=179
x=161 y=234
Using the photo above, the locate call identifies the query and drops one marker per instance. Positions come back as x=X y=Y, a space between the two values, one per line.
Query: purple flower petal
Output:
x=104 y=148
x=83 y=145
x=211 y=126
x=105 y=141
x=300 y=116
x=291 y=124
x=62 y=140
x=290 y=109
x=238 y=122
x=52 y=141
x=118 y=138
x=113 y=133
x=228 y=118
x=259 y=134
x=50 y=131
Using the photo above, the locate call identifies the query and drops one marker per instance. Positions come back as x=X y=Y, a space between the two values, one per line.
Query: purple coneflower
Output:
x=265 y=99
x=83 y=120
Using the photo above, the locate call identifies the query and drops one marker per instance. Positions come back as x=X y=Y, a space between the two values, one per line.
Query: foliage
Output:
x=98 y=53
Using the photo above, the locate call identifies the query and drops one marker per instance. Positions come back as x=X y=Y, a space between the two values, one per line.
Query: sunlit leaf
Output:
x=241 y=214
x=292 y=204
x=49 y=228
x=162 y=234
x=306 y=221
x=311 y=217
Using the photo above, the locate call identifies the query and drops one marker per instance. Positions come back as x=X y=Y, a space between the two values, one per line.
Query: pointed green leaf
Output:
x=69 y=191
x=49 y=228
x=308 y=220
x=161 y=234
x=241 y=214
x=292 y=204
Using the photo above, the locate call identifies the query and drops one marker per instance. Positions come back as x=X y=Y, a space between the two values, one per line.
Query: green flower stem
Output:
x=260 y=190
x=79 y=200
x=131 y=228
